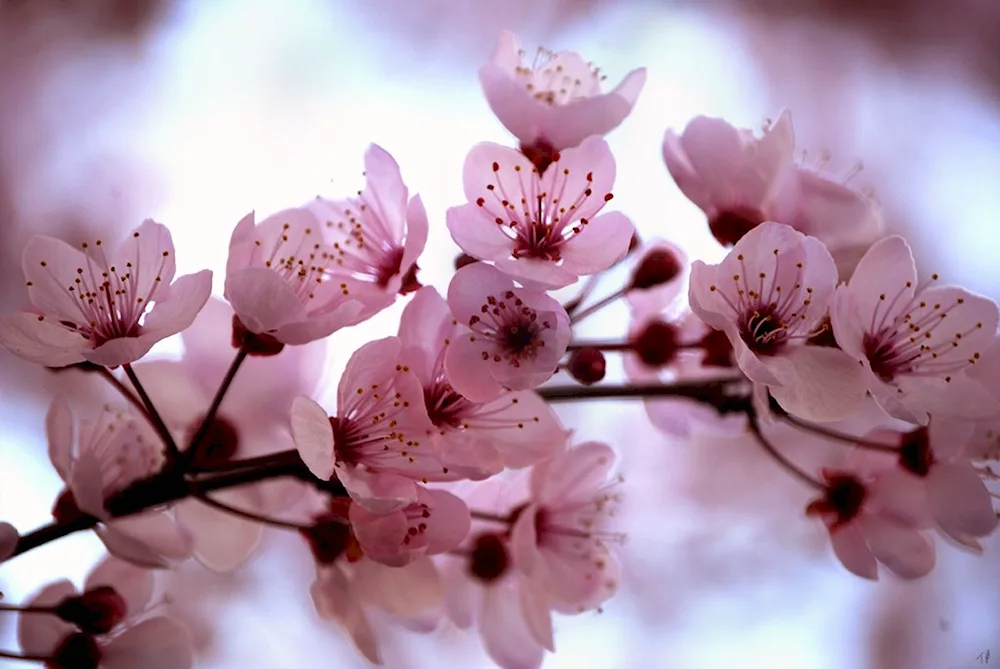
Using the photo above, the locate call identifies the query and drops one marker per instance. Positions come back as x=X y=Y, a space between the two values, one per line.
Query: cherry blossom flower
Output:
x=517 y=335
x=92 y=306
x=251 y=421
x=437 y=522
x=731 y=175
x=377 y=236
x=543 y=230
x=137 y=639
x=111 y=451
x=516 y=430
x=740 y=181
x=858 y=511
x=914 y=341
x=769 y=295
x=377 y=443
x=560 y=539
x=934 y=480
x=555 y=102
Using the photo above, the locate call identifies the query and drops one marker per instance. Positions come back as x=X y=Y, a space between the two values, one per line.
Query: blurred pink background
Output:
x=194 y=113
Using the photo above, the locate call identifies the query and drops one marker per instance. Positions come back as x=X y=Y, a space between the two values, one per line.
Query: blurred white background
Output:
x=194 y=113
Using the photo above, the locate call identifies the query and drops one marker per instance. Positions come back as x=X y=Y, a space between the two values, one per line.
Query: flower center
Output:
x=843 y=499
x=915 y=454
x=763 y=331
x=557 y=79
x=218 y=446
x=513 y=326
x=445 y=407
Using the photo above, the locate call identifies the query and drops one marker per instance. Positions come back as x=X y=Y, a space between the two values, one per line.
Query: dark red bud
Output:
x=218 y=445
x=65 y=509
x=656 y=345
x=489 y=559
x=77 y=651
x=97 y=611
x=729 y=226
x=634 y=243
x=915 y=454
x=586 y=365
x=329 y=538
x=718 y=350
x=660 y=266
x=409 y=282
x=258 y=345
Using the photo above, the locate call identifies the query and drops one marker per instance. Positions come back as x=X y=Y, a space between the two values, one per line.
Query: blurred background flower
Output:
x=195 y=113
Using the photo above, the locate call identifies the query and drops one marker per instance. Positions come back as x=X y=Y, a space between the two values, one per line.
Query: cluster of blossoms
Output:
x=441 y=487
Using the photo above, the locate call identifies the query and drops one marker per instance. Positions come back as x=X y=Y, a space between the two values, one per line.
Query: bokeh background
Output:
x=194 y=113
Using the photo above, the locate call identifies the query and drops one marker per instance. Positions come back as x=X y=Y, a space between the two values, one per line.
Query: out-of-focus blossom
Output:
x=555 y=102
x=89 y=305
x=740 y=181
x=377 y=236
x=769 y=295
x=8 y=540
x=658 y=278
x=915 y=341
x=543 y=230
x=251 y=421
x=109 y=452
x=517 y=336
x=516 y=430
x=137 y=639
x=437 y=522
x=864 y=530
x=377 y=444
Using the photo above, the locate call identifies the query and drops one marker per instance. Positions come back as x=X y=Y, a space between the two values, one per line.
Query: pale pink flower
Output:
x=728 y=173
x=554 y=102
x=543 y=230
x=560 y=540
x=934 y=479
x=377 y=443
x=516 y=430
x=8 y=540
x=769 y=295
x=348 y=591
x=914 y=341
x=377 y=236
x=138 y=639
x=740 y=181
x=859 y=513
x=251 y=421
x=109 y=452
x=517 y=335
x=437 y=522
x=89 y=305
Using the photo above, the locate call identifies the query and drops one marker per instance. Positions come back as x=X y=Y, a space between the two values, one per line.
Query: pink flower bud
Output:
x=658 y=267
x=586 y=365
x=656 y=345
x=96 y=611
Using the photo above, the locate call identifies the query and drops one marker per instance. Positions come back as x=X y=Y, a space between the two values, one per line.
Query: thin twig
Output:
x=597 y=306
x=154 y=415
x=776 y=454
x=838 y=436
x=248 y=515
x=220 y=394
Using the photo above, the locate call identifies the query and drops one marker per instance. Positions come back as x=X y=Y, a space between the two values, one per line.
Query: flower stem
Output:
x=220 y=394
x=716 y=393
x=490 y=517
x=27 y=609
x=776 y=454
x=249 y=515
x=836 y=435
x=600 y=345
x=151 y=412
x=25 y=658
x=597 y=306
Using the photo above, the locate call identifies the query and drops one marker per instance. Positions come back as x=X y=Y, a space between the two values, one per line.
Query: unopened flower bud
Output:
x=258 y=345
x=463 y=259
x=66 y=510
x=659 y=266
x=217 y=446
x=718 y=350
x=96 y=611
x=490 y=559
x=329 y=538
x=656 y=345
x=586 y=365
x=77 y=651
x=915 y=454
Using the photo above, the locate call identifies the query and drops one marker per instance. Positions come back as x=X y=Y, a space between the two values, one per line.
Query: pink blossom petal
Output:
x=536 y=274
x=150 y=249
x=40 y=340
x=906 y=552
x=709 y=305
x=417 y=228
x=154 y=643
x=468 y=372
x=86 y=484
x=897 y=493
x=603 y=242
x=852 y=551
x=448 y=524
x=479 y=238
x=262 y=299
x=573 y=474
x=178 y=307
x=524 y=541
x=134 y=584
x=684 y=174
x=377 y=492
x=59 y=431
x=569 y=125
x=535 y=607
x=382 y=535
x=506 y=637
x=41 y=634
x=405 y=592
x=121 y=350
x=960 y=501
x=50 y=267
x=313 y=437
x=334 y=600
x=386 y=188
x=8 y=540
x=818 y=383
x=470 y=284
x=150 y=539
x=715 y=151
x=958 y=397
x=342 y=314
x=375 y=362
x=949 y=439
x=583 y=175
x=533 y=432
x=222 y=542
